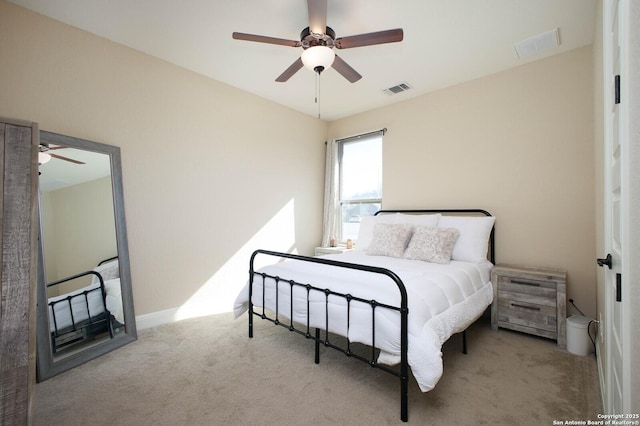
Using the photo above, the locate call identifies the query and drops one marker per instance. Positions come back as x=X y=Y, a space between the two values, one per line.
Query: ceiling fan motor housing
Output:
x=310 y=39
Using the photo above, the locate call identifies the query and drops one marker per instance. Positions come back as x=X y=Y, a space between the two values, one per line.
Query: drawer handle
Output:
x=517 y=305
x=525 y=283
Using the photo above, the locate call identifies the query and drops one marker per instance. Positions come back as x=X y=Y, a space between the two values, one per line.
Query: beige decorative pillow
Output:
x=431 y=244
x=365 y=233
x=390 y=239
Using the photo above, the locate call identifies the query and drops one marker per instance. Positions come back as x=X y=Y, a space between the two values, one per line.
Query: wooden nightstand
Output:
x=530 y=300
x=331 y=250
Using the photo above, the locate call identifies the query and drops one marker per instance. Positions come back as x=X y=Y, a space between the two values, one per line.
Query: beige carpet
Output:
x=207 y=371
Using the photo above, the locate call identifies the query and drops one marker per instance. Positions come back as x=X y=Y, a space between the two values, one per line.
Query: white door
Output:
x=616 y=321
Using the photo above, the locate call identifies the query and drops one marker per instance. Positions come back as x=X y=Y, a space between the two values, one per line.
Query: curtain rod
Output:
x=383 y=131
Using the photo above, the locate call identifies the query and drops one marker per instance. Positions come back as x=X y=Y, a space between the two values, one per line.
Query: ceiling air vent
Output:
x=399 y=88
x=538 y=43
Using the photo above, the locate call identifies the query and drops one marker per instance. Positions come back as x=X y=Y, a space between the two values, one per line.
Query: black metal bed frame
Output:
x=102 y=262
x=323 y=338
x=84 y=329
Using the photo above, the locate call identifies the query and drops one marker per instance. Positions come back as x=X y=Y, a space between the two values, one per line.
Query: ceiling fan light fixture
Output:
x=318 y=56
x=43 y=157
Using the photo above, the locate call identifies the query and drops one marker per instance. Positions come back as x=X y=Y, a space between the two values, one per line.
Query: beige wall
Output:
x=78 y=230
x=519 y=144
x=210 y=172
x=207 y=168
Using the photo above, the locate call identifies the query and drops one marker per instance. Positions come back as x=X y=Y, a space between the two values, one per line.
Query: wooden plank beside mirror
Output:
x=82 y=231
x=18 y=220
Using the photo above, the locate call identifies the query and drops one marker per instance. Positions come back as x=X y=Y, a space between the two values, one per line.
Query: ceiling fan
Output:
x=44 y=154
x=318 y=42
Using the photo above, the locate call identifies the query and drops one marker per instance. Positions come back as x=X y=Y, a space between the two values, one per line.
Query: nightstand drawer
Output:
x=534 y=316
x=518 y=305
x=543 y=294
x=528 y=286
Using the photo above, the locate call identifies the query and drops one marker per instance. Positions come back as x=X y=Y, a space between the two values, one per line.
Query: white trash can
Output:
x=578 y=340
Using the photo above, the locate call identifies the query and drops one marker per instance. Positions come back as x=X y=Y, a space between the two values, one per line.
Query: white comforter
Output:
x=443 y=300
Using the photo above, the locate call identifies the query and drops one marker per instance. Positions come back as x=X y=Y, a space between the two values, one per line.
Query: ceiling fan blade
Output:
x=368 y=39
x=293 y=68
x=317 y=16
x=345 y=70
x=60 y=157
x=264 y=39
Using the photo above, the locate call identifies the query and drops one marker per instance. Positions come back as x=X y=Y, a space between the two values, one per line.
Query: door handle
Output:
x=606 y=261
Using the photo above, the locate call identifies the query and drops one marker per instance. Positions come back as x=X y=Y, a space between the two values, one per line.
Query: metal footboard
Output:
x=92 y=325
x=324 y=338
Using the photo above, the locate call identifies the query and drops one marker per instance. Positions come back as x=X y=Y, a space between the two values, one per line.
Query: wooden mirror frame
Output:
x=47 y=366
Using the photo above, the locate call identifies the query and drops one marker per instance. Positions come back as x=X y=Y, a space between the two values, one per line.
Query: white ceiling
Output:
x=57 y=174
x=446 y=42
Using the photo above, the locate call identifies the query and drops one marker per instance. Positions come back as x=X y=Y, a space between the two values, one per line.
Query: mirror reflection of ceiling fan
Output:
x=45 y=154
x=318 y=42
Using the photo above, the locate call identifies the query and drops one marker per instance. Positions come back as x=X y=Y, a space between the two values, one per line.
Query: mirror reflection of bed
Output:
x=82 y=317
x=85 y=303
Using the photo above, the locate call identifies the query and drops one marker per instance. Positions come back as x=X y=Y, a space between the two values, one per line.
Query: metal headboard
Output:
x=461 y=212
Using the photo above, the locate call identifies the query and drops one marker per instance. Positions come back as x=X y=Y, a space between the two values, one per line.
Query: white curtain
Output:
x=331 y=212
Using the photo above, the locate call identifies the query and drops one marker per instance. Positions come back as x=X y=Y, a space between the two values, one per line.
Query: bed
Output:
x=414 y=278
x=83 y=314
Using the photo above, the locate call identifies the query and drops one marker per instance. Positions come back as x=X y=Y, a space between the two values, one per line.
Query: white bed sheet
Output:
x=79 y=305
x=443 y=300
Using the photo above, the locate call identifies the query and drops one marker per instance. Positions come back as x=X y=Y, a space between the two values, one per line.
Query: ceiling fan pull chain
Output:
x=318 y=92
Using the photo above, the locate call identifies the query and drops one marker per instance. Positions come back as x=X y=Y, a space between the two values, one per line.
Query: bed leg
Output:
x=464 y=342
x=404 y=398
x=317 y=360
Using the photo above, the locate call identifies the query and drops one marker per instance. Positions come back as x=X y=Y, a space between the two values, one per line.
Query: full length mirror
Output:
x=84 y=297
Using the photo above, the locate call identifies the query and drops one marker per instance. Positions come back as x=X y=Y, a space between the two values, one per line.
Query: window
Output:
x=360 y=181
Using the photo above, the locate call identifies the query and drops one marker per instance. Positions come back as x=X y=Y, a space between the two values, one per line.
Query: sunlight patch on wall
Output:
x=218 y=293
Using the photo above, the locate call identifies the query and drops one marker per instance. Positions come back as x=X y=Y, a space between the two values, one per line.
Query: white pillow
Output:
x=474 y=236
x=112 y=287
x=432 y=244
x=418 y=219
x=390 y=239
x=365 y=233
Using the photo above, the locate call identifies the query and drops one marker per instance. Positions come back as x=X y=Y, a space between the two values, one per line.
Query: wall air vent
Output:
x=399 y=88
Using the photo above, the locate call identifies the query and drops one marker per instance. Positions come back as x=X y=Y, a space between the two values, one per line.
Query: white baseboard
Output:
x=155 y=319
